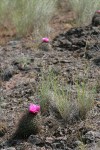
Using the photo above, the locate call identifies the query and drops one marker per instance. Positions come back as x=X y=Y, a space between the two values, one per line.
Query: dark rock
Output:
x=3 y=144
x=97 y=61
x=83 y=40
x=7 y=74
x=91 y=136
x=36 y=140
x=22 y=90
x=59 y=143
x=48 y=142
x=39 y=55
x=59 y=132
x=14 y=43
x=51 y=124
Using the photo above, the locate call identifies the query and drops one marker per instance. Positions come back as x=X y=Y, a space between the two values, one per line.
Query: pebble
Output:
x=10 y=148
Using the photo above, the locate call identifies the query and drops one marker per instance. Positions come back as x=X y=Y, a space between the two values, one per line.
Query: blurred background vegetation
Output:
x=28 y=16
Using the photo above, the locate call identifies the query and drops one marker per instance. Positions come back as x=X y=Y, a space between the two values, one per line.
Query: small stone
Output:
x=7 y=74
x=91 y=136
x=58 y=145
x=4 y=105
x=98 y=123
x=77 y=143
x=68 y=26
x=97 y=135
x=11 y=148
x=94 y=146
x=34 y=139
x=3 y=144
x=49 y=140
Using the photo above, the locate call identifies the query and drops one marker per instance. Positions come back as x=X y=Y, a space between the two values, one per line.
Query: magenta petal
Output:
x=34 y=108
x=45 y=39
x=98 y=11
x=38 y=108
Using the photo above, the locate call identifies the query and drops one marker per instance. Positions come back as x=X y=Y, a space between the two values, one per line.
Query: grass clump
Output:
x=71 y=101
x=84 y=10
x=28 y=15
x=44 y=90
x=85 y=98
x=28 y=124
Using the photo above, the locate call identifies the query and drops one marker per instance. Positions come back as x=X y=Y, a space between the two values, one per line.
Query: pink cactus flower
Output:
x=34 y=108
x=98 y=11
x=45 y=40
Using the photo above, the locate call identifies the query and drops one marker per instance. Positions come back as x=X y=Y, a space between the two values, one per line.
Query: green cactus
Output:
x=29 y=124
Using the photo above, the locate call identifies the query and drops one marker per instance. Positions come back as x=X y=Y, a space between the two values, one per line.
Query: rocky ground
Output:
x=21 y=63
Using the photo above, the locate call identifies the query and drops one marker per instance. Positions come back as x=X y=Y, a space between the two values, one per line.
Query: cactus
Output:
x=29 y=123
x=45 y=45
x=96 y=18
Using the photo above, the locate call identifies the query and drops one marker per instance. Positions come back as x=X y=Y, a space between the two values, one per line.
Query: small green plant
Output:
x=82 y=147
x=85 y=93
x=70 y=103
x=44 y=89
x=24 y=61
x=85 y=98
x=84 y=10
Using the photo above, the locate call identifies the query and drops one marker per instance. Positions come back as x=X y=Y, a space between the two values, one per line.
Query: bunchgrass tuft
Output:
x=85 y=98
x=28 y=15
x=71 y=101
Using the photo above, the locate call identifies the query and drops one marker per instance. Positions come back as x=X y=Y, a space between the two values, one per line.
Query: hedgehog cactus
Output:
x=3 y=129
x=29 y=123
x=96 y=18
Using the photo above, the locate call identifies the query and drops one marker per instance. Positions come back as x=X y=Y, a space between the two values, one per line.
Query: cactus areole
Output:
x=34 y=109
